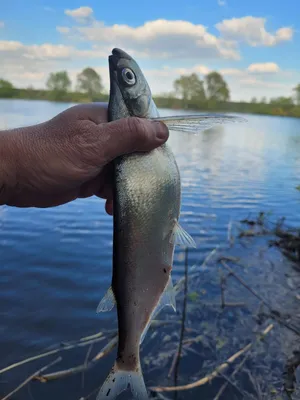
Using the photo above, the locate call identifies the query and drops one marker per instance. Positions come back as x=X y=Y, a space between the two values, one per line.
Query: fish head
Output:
x=130 y=94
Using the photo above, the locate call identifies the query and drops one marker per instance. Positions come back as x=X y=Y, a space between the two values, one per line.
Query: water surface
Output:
x=56 y=263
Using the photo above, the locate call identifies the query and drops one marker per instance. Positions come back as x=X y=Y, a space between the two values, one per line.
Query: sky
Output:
x=254 y=44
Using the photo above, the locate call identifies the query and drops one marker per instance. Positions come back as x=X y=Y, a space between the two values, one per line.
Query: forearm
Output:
x=17 y=151
x=24 y=159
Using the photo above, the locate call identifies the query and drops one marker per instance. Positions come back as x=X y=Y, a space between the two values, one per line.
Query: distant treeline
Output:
x=285 y=110
x=190 y=92
x=43 y=94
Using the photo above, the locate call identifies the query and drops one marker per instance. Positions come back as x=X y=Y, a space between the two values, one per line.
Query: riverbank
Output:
x=284 y=110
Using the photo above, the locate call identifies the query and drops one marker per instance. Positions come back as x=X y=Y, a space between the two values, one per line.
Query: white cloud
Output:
x=26 y=74
x=198 y=69
x=46 y=51
x=80 y=14
x=268 y=67
x=10 y=45
x=1 y=24
x=231 y=71
x=221 y=2
x=63 y=29
x=160 y=38
x=31 y=64
x=262 y=83
x=171 y=39
x=154 y=40
x=285 y=33
x=252 y=31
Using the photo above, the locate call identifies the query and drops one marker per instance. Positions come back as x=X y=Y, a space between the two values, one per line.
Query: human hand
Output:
x=70 y=156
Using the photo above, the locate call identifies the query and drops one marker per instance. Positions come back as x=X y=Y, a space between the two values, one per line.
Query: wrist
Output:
x=7 y=166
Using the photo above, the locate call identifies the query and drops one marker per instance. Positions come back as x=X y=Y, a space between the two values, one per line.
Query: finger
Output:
x=96 y=188
x=100 y=185
x=128 y=135
x=105 y=190
x=109 y=207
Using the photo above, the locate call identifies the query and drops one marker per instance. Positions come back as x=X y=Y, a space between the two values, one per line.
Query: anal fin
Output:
x=166 y=299
x=108 y=301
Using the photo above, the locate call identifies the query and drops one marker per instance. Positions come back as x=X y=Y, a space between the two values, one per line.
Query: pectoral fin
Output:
x=197 y=123
x=108 y=302
x=180 y=236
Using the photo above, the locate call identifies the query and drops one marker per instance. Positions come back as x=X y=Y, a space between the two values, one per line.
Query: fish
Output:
x=147 y=203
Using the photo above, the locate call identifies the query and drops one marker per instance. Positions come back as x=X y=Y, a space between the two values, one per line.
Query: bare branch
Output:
x=30 y=378
x=215 y=373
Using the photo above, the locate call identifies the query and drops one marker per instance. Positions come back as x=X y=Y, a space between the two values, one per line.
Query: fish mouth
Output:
x=116 y=56
x=119 y=53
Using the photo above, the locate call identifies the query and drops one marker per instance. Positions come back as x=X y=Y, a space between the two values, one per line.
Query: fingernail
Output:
x=161 y=130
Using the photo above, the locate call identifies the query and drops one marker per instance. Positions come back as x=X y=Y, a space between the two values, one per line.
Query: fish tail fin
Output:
x=137 y=385
x=118 y=380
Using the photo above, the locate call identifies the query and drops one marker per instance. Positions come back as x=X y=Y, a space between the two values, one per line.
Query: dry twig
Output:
x=224 y=386
x=86 y=362
x=80 y=368
x=63 y=347
x=27 y=380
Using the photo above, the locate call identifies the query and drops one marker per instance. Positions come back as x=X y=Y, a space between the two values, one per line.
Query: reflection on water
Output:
x=56 y=263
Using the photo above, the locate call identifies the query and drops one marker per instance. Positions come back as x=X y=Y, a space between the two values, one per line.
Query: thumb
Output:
x=128 y=135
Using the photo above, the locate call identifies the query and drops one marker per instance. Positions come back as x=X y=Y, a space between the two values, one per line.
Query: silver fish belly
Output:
x=148 y=204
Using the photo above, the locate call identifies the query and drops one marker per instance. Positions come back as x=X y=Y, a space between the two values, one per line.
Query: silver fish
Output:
x=147 y=199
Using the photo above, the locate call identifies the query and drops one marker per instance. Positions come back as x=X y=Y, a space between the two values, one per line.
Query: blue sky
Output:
x=254 y=44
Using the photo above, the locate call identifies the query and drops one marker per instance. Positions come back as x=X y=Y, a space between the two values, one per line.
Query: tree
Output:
x=190 y=88
x=297 y=93
x=282 y=101
x=263 y=100
x=216 y=87
x=88 y=81
x=6 y=88
x=198 y=91
x=254 y=100
x=5 y=84
x=59 y=84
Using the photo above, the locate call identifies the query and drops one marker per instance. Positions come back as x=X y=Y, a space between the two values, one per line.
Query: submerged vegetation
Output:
x=190 y=92
x=230 y=338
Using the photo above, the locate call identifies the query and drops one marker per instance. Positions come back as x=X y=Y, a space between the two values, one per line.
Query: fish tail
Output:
x=118 y=380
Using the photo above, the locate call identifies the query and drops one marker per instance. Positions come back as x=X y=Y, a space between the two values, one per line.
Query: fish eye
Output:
x=128 y=76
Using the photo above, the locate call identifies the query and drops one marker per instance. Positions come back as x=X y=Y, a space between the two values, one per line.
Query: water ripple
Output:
x=56 y=264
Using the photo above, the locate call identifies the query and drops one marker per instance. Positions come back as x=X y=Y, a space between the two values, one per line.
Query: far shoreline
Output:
x=171 y=103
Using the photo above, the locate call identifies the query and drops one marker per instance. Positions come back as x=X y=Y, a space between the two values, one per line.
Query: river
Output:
x=56 y=262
